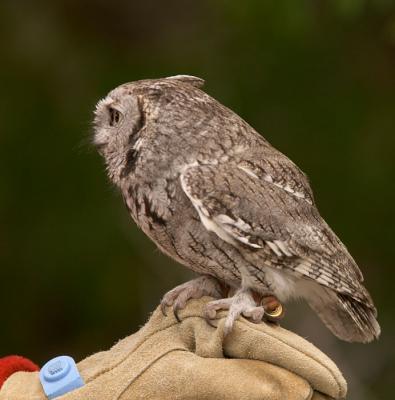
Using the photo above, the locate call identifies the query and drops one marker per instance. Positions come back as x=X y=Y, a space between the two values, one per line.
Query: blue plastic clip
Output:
x=60 y=376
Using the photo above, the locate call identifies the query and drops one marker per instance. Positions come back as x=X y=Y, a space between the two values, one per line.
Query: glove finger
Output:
x=278 y=346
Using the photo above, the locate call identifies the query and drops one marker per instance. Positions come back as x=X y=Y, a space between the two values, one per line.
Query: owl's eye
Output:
x=115 y=116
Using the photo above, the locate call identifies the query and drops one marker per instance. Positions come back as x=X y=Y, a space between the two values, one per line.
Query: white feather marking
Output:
x=210 y=225
x=248 y=171
x=268 y=178
x=274 y=247
x=301 y=195
x=225 y=219
x=303 y=267
x=246 y=240
x=204 y=215
x=137 y=145
x=227 y=223
x=221 y=224
x=289 y=189
x=283 y=247
x=324 y=280
x=240 y=224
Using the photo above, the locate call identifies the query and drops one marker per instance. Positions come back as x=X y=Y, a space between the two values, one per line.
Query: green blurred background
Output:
x=317 y=78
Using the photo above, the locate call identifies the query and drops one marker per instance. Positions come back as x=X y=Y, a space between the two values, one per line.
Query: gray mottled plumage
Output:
x=216 y=196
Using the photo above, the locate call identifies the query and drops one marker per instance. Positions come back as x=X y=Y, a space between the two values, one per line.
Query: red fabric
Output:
x=11 y=364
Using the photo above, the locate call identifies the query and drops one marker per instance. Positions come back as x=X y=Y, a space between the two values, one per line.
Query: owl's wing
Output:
x=245 y=210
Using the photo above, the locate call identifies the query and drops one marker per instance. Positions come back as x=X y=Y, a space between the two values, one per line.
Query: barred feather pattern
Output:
x=214 y=195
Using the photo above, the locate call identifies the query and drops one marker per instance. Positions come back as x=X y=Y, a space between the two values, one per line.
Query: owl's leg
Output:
x=195 y=289
x=245 y=302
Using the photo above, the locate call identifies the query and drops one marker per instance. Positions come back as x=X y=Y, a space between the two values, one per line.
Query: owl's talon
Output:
x=176 y=309
x=210 y=322
x=176 y=316
x=163 y=309
x=194 y=289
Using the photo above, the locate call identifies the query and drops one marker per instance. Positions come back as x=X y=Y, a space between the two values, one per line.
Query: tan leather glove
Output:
x=168 y=360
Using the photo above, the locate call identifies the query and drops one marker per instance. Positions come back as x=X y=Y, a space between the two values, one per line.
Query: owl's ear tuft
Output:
x=189 y=79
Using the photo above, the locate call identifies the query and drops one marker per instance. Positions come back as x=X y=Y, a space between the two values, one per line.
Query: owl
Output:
x=215 y=196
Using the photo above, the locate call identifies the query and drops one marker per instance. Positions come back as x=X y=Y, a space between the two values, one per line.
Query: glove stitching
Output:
x=146 y=368
x=120 y=361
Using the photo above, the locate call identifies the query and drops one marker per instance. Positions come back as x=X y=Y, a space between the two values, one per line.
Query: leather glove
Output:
x=169 y=360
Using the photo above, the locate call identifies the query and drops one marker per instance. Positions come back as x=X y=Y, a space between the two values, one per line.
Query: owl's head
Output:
x=128 y=113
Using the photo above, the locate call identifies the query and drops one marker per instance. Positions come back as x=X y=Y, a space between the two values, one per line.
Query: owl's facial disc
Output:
x=118 y=119
x=118 y=126
x=106 y=118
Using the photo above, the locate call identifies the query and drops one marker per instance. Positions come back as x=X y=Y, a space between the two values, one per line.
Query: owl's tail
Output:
x=347 y=318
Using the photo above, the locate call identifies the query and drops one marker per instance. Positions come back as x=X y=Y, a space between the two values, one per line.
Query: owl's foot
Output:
x=244 y=303
x=195 y=289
